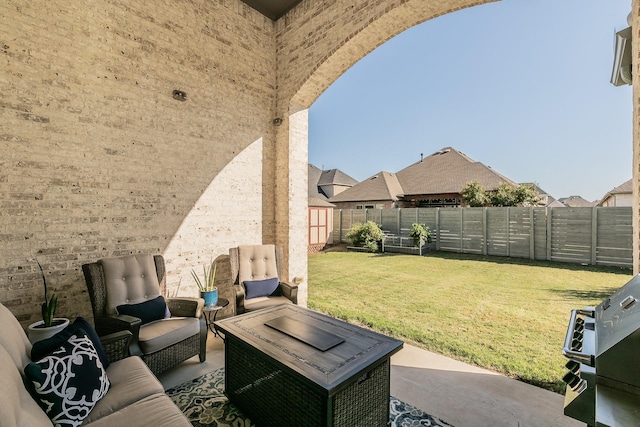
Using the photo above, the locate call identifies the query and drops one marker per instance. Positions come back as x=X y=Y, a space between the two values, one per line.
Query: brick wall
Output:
x=635 y=11
x=97 y=159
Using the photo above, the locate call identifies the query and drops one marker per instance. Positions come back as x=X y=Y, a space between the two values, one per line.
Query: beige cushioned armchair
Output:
x=259 y=262
x=135 y=279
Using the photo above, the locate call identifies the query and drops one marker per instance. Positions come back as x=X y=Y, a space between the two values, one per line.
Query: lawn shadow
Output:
x=582 y=295
x=525 y=261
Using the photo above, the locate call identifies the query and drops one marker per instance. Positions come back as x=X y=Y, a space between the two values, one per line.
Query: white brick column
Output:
x=635 y=10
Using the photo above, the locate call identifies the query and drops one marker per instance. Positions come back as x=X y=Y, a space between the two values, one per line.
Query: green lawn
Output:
x=508 y=315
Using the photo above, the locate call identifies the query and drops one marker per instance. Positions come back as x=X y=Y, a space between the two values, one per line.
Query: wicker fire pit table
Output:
x=291 y=366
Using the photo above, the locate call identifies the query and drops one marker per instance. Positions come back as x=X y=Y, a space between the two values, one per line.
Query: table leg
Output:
x=215 y=331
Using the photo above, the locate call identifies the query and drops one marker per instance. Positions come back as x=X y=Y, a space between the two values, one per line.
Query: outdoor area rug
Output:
x=203 y=402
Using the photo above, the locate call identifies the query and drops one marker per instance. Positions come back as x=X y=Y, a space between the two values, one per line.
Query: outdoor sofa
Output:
x=131 y=395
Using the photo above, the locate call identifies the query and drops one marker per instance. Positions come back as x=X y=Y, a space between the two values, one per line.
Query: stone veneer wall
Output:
x=98 y=160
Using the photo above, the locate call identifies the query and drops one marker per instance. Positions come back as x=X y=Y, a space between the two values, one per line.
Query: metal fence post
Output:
x=461 y=229
x=485 y=232
x=508 y=232
x=594 y=236
x=532 y=235
x=549 y=231
x=438 y=229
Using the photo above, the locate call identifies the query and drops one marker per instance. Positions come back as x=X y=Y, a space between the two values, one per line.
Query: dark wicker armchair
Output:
x=135 y=279
x=253 y=263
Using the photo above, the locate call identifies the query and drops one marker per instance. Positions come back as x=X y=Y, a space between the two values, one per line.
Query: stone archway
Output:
x=316 y=43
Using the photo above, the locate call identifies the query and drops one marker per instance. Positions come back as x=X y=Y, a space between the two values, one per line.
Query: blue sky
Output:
x=519 y=85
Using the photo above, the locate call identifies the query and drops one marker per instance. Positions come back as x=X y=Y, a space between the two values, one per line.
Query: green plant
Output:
x=209 y=277
x=366 y=235
x=420 y=234
x=49 y=305
x=474 y=195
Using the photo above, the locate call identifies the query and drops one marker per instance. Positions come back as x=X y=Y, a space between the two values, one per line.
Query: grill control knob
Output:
x=577 y=335
x=576 y=345
x=579 y=321
x=627 y=302
x=575 y=382
x=573 y=367
x=579 y=327
x=571 y=379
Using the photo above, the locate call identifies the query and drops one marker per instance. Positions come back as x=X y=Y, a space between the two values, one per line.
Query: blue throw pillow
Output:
x=44 y=347
x=68 y=382
x=147 y=312
x=260 y=288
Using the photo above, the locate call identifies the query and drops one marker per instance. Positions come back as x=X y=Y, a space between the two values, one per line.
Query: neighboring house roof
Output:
x=314 y=178
x=575 y=202
x=381 y=186
x=317 y=197
x=335 y=177
x=448 y=171
x=318 y=202
x=624 y=188
x=556 y=204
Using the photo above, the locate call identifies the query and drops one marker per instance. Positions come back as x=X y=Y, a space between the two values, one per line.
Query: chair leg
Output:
x=204 y=332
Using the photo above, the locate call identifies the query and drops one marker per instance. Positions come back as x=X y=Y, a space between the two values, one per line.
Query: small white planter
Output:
x=39 y=333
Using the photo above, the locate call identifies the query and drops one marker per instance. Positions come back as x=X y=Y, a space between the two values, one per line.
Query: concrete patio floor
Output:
x=458 y=393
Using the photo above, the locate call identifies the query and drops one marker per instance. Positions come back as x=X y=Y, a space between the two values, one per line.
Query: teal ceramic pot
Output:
x=210 y=297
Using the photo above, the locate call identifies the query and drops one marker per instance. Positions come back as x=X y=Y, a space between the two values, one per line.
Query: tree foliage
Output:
x=365 y=235
x=473 y=194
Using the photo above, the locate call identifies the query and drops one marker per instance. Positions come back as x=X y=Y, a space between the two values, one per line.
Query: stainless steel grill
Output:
x=603 y=370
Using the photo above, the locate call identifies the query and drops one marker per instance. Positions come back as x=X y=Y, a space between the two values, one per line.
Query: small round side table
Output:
x=209 y=319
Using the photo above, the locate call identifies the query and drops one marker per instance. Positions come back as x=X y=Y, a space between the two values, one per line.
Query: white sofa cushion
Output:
x=161 y=334
x=130 y=382
x=152 y=411
x=17 y=407
x=13 y=339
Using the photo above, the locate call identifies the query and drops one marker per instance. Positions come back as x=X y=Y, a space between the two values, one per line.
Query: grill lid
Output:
x=617 y=325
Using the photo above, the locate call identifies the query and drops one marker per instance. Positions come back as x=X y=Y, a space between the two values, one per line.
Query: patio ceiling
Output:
x=273 y=9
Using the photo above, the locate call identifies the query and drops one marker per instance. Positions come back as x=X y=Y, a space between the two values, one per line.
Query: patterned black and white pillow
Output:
x=69 y=381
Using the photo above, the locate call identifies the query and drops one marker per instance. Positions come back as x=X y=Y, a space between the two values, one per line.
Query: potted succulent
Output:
x=208 y=291
x=49 y=325
x=420 y=234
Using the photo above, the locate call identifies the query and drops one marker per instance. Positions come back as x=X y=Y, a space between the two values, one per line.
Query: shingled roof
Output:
x=335 y=177
x=623 y=188
x=316 y=197
x=447 y=171
x=575 y=202
x=381 y=186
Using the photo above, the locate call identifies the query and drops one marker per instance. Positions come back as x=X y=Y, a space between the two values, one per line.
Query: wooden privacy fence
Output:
x=596 y=236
